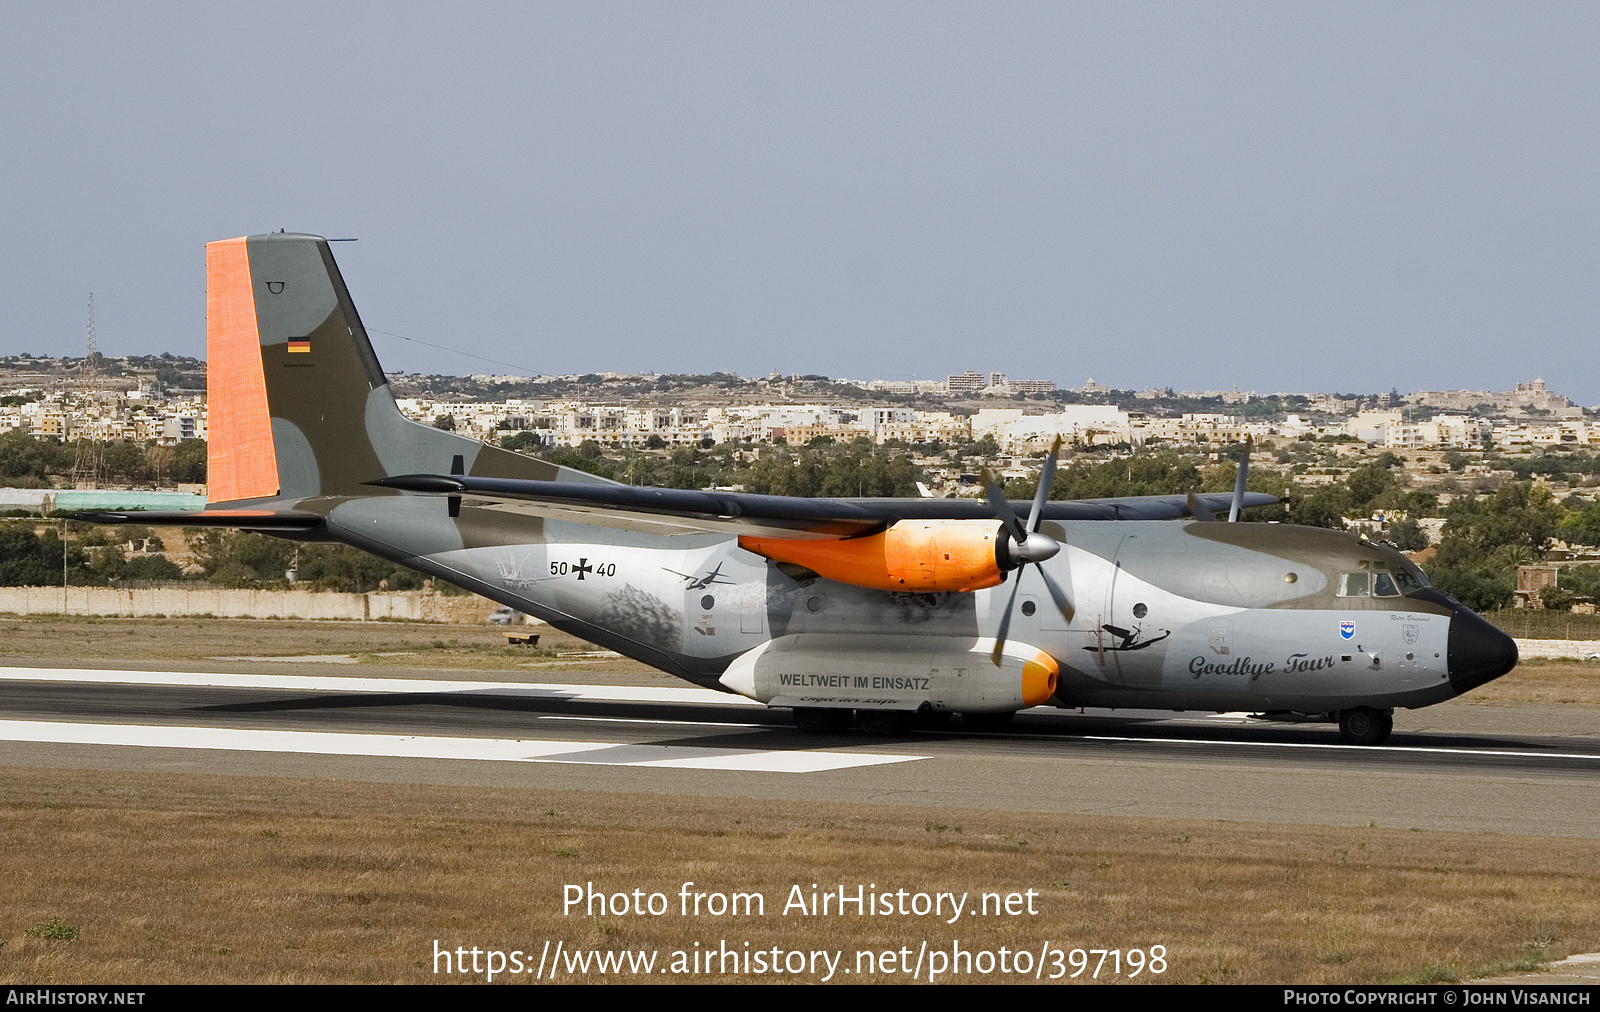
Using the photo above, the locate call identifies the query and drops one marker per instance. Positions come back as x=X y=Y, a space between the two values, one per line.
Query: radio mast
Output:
x=89 y=460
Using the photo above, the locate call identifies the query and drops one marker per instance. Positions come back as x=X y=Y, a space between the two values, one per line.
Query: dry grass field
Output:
x=144 y=878
x=191 y=641
x=153 y=878
x=1540 y=681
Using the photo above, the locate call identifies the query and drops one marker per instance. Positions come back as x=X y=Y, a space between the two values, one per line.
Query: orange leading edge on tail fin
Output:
x=240 y=462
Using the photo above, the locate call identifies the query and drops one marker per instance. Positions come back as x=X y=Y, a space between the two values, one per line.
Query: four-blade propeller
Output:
x=1025 y=544
x=1198 y=508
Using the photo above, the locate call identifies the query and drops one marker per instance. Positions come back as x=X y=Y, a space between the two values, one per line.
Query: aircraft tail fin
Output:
x=298 y=405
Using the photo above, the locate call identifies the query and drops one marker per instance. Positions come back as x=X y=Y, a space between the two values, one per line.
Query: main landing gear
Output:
x=884 y=723
x=820 y=720
x=892 y=723
x=831 y=720
x=988 y=721
x=1366 y=726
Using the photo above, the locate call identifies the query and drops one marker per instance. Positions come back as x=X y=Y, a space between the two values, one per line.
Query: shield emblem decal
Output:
x=1347 y=629
x=1410 y=632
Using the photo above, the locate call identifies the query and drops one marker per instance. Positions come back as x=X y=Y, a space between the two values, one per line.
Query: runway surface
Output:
x=1526 y=769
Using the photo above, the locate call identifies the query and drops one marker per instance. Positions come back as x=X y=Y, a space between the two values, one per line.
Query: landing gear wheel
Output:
x=818 y=720
x=988 y=721
x=1365 y=726
x=883 y=723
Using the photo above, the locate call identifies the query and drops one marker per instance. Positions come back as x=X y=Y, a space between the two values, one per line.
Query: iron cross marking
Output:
x=582 y=567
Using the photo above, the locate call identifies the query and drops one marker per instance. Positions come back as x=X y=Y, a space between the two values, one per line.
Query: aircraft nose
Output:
x=1478 y=652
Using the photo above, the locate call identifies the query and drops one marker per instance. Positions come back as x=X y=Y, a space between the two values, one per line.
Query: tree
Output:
x=189 y=462
x=586 y=457
x=1367 y=483
x=27 y=560
x=521 y=441
x=1582 y=525
x=151 y=567
x=1581 y=581
x=1326 y=507
x=1480 y=587
x=1407 y=535
x=1485 y=539
x=1519 y=516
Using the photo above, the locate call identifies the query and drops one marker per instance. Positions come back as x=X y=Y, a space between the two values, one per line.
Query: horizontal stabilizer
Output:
x=247 y=520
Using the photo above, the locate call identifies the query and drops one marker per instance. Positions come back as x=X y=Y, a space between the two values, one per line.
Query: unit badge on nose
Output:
x=1347 y=629
x=1410 y=632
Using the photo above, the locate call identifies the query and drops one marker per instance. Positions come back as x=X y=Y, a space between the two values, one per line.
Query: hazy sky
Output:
x=1334 y=196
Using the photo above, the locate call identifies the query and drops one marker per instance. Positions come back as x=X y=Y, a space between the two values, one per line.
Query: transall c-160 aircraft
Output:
x=867 y=610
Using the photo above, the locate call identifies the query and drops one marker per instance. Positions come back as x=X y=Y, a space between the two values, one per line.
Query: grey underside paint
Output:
x=415 y=531
x=298 y=473
x=407 y=447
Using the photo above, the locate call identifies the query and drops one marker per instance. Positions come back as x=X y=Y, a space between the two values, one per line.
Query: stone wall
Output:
x=408 y=606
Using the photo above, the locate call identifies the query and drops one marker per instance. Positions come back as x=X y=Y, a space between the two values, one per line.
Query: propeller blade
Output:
x=996 y=498
x=1063 y=603
x=1238 y=484
x=1005 y=622
x=1046 y=478
x=1198 y=510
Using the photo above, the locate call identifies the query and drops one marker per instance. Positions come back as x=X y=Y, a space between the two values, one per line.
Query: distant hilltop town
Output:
x=161 y=399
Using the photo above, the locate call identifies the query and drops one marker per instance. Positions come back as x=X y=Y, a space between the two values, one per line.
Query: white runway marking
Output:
x=711 y=759
x=651 y=720
x=441 y=747
x=1410 y=749
x=337 y=683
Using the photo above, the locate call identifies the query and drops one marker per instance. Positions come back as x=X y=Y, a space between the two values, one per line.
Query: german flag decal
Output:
x=301 y=345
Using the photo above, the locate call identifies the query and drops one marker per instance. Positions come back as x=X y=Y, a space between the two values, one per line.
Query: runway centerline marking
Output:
x=408 y=746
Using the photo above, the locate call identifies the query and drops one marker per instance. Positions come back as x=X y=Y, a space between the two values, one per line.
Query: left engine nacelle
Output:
x=919 y=556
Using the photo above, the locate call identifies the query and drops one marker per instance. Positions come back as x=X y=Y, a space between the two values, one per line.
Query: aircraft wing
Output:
x=693 y=511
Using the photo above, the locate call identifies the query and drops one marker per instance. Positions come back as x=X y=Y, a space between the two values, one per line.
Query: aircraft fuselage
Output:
x=1170 y=615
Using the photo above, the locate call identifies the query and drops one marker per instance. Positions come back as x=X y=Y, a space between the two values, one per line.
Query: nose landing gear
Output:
x=1366 y=726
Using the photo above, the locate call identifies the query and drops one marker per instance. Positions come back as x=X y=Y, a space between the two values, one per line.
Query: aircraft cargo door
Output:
x=753 y=607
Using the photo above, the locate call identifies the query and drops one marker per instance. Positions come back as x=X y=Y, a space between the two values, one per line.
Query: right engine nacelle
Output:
x=894 y=673
x=920 y=556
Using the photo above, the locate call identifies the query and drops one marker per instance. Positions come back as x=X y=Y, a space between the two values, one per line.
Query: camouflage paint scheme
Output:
x=1168 y=614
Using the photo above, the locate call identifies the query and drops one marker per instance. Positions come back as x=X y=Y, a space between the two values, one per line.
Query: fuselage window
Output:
x=1355 y=584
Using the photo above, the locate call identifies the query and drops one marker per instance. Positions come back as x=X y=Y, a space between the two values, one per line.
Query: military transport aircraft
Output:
x=864 y=610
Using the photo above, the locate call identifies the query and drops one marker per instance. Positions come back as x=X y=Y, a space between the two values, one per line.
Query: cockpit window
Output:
x=1383 y=586
x=1410 y=583
x=1355 y=584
